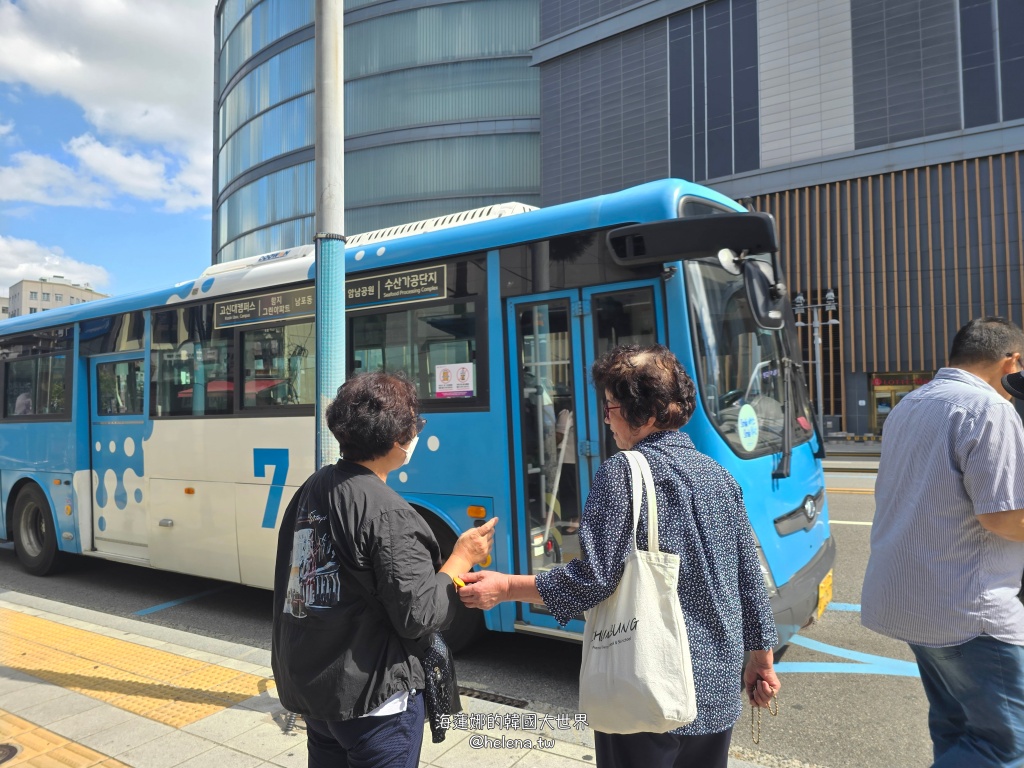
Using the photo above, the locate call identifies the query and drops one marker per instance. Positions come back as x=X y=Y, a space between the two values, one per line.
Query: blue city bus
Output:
x=169 y=429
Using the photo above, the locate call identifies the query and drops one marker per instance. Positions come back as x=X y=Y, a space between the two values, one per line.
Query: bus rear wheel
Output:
x=468 y=624
x=35 y=534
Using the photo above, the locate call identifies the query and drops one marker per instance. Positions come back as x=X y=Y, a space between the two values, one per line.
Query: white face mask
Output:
x=409 y=451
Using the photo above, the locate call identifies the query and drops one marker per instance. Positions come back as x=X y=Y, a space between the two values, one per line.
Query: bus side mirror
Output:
x=766 y=297
x=692 y=237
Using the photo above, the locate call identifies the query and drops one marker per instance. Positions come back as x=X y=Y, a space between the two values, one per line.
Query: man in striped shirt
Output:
x=947 y=547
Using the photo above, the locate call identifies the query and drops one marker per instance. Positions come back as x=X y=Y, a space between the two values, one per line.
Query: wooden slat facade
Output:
x=914 y=254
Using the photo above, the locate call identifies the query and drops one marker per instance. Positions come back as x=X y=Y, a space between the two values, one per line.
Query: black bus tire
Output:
x=468 y=624
x=35 y=532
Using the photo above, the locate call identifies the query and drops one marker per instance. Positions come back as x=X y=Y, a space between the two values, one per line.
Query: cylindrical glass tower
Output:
x=441 y=109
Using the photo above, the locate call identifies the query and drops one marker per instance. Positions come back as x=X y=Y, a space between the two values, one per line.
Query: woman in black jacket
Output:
x=358 y=580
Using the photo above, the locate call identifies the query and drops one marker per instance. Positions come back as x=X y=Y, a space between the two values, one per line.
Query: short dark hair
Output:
x=372 y=412
x=986 y=340
x=646 y=381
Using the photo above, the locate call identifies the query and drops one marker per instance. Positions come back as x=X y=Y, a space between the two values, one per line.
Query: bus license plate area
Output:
x=824 y=593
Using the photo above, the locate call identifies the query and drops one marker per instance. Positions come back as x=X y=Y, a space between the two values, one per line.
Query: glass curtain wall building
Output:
x=441 y=109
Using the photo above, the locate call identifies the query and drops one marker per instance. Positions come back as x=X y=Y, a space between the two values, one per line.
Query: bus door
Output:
x=118 y=424
x=559 y=433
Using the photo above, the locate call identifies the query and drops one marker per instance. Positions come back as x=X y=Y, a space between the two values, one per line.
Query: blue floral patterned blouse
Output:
x=701 y=517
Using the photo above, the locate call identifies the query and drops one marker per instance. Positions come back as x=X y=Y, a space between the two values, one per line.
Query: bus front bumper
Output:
x=796 y=603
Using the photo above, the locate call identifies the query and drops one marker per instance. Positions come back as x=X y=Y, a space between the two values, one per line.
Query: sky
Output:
x=106 y=134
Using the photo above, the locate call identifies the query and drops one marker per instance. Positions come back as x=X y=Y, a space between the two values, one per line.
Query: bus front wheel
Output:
x=35 y=534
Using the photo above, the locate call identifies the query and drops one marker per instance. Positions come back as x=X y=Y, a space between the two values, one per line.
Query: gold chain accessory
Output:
x=773 y=712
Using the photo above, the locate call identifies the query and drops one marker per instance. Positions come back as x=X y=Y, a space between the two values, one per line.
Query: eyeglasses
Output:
x=609 y=408
x=1017 y=359
x=420 y=424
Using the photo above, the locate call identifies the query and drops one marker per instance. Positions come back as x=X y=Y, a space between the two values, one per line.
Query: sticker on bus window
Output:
x=748 y=427
x=455 y=380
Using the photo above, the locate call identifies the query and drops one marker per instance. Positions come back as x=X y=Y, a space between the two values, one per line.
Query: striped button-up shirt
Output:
x=951 y=450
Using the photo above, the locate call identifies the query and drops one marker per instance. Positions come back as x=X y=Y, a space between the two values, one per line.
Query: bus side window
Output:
x=36 y=380
x=279 y=366
x=119 y=388
x=191 y=364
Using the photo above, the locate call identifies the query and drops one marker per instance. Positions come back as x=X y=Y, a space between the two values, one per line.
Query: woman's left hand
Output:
x=759 y=678
x=484 y=589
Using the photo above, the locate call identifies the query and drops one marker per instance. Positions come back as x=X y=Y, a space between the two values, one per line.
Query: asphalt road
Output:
x=846 y=699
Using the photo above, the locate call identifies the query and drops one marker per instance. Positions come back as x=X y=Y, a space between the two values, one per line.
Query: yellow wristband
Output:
x=459 y=583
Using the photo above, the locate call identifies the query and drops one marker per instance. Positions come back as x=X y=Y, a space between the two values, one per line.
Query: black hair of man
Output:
x=986 y=340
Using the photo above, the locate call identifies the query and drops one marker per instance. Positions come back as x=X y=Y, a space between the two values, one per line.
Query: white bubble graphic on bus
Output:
x=119 y=471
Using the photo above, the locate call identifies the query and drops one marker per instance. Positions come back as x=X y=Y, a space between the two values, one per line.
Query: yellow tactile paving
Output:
x=38 y=748
x=162 y=686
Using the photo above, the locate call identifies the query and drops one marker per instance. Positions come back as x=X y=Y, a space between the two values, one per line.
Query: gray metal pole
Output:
x=330 y=217
x=816 y=325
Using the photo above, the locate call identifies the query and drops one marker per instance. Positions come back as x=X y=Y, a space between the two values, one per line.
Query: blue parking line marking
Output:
x=836 y=667
x=172 y=603
x=865 y=663
x=853 y=607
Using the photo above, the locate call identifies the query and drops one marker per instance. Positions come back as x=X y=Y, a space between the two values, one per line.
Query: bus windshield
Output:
x=741 y=366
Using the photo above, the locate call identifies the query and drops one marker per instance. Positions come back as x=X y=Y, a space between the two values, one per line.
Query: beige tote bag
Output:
x=636 y=675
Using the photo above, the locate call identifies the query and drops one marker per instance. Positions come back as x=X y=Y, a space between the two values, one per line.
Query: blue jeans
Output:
x=390 y=741
x=976 y=703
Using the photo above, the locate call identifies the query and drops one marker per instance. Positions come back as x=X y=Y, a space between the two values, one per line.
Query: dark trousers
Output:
x=662 y=750
x=391 y=741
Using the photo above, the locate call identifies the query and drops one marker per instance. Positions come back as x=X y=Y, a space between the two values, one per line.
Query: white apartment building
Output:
x=30 y=296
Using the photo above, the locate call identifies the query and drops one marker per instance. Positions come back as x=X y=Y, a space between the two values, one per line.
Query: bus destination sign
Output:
x=280 y=305
x=402 y=287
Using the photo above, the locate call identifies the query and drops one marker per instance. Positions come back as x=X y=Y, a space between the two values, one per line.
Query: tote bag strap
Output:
x=635 y=477
x=640 y=469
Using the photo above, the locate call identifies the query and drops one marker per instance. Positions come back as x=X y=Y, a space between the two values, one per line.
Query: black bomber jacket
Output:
x=355 y=585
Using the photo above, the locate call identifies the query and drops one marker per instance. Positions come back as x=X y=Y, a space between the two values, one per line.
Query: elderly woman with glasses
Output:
x=358 y=578
x=647 y=398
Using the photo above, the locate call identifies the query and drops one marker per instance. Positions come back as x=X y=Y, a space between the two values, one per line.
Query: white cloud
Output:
x=100 y=173
x=145 y=177
x=128 y=171
x=6 y=129
x=142 y=71
x=28 y=260
x=34 y=178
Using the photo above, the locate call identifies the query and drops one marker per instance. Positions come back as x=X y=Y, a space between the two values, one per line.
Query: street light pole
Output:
x=329 y=56
x=799 y=305
x=819 y=386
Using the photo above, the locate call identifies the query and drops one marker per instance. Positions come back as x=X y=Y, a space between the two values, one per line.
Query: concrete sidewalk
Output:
x=851 y=458
x=80 y=688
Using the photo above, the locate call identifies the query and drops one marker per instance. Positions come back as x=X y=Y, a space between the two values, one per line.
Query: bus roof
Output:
x=462 y=233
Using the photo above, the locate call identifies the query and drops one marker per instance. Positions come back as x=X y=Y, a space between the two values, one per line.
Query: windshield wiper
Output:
x=781 y=470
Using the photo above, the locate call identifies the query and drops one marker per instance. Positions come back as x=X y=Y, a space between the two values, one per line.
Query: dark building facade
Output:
x=886 y=136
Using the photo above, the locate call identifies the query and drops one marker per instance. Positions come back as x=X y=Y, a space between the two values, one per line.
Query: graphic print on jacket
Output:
x=313 y=582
